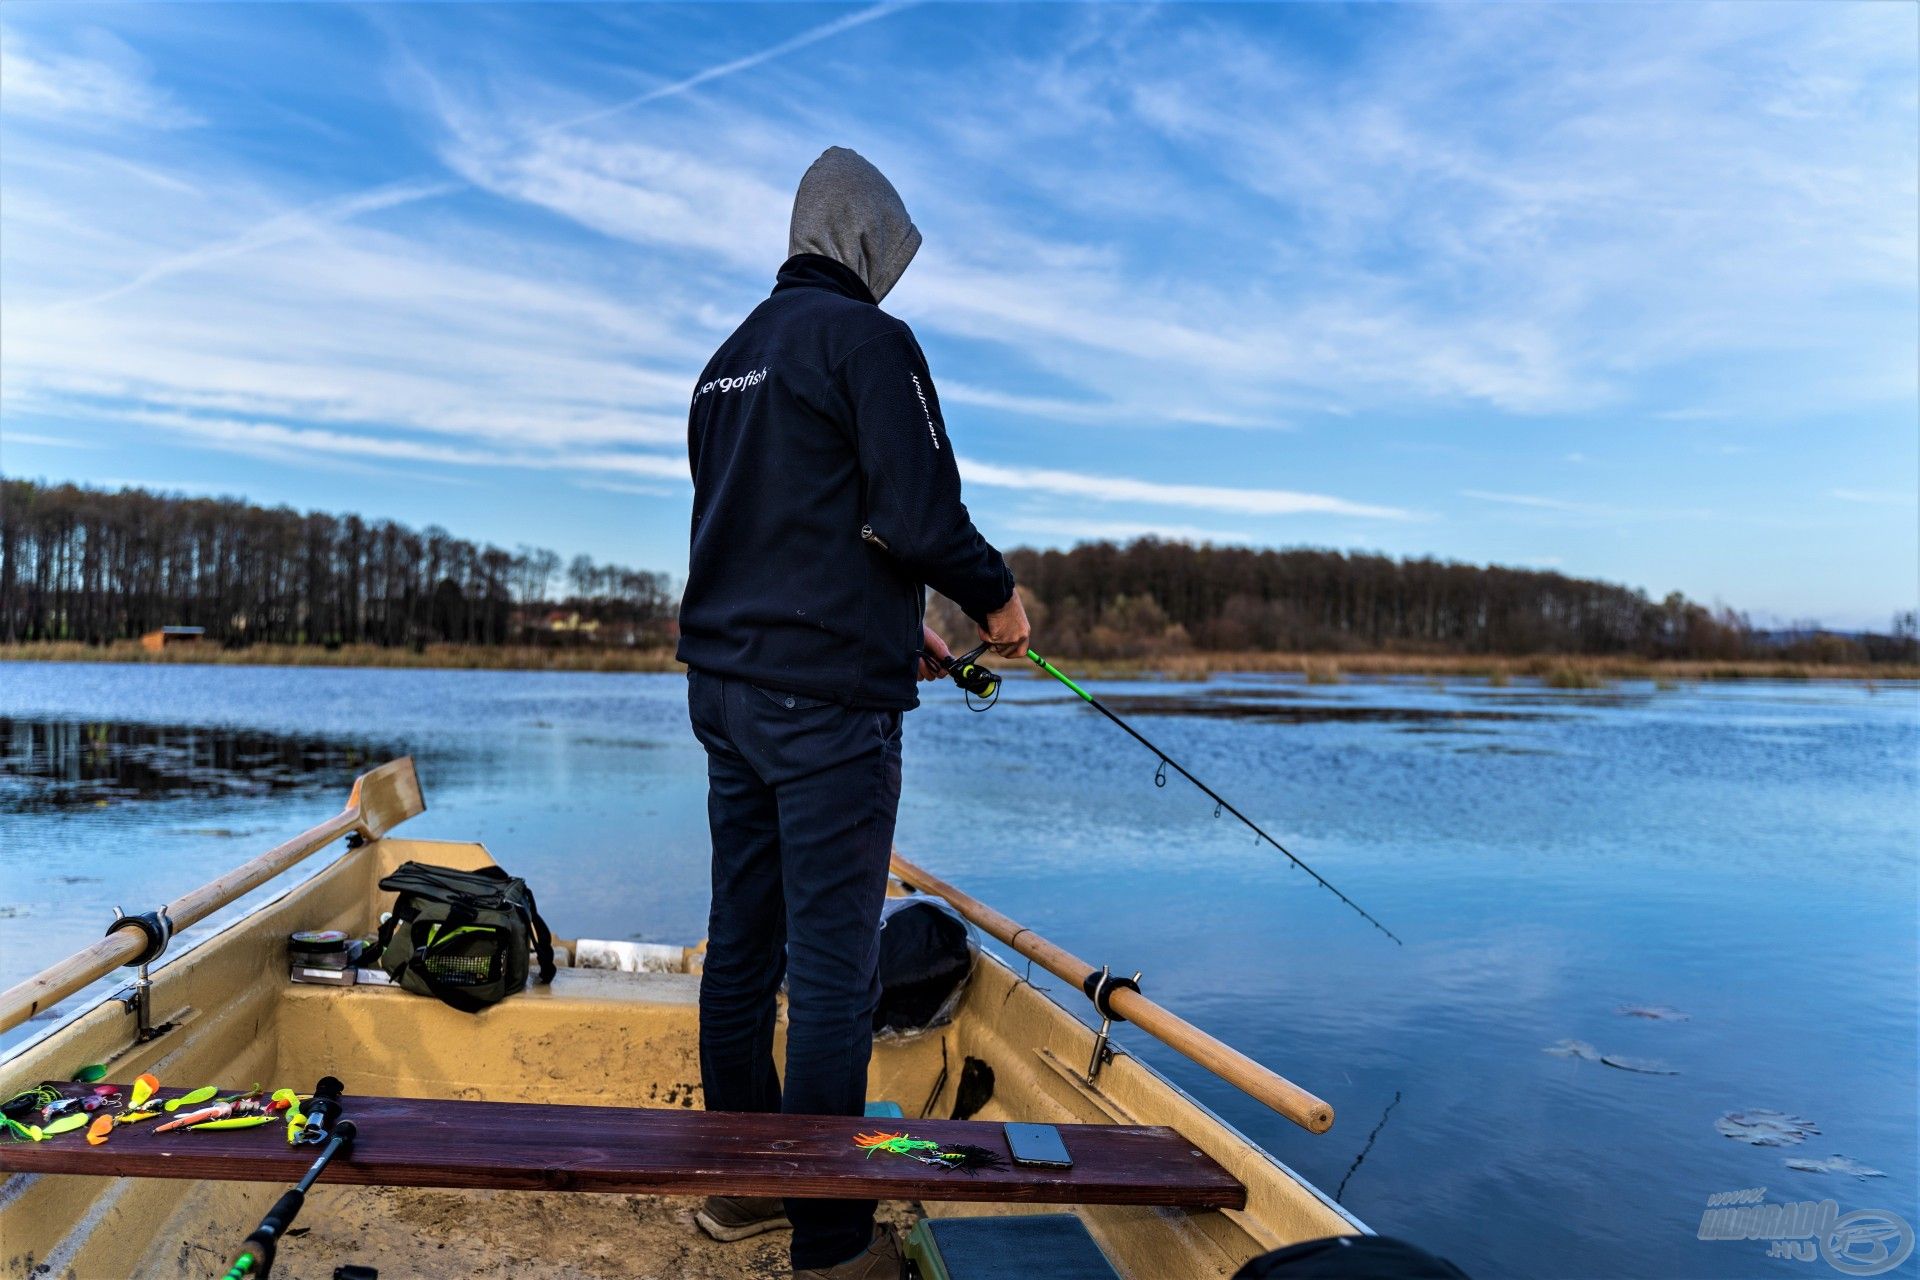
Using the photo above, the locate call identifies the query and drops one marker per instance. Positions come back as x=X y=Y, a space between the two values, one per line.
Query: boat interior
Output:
x=227 y=1013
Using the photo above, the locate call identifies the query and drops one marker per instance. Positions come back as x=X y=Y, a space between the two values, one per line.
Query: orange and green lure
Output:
x=962 y=1156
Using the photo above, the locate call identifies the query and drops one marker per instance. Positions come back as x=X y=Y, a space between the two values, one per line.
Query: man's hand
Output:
x=1007 y=631
x=933 y=652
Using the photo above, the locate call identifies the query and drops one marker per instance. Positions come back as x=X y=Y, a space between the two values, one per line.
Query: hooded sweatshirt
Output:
x=825 y=494
x=848 y=211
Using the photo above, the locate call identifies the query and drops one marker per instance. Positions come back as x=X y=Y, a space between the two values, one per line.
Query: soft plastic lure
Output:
x=18 y=1132
x=296 y=1118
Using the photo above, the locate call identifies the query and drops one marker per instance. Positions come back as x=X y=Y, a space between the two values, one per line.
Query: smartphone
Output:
x=1037 y=1144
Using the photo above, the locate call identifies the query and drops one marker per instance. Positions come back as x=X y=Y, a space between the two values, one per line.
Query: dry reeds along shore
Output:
x=1558 y=671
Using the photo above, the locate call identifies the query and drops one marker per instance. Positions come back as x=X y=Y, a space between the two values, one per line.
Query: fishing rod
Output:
x=980 y=683
x=324 y=1128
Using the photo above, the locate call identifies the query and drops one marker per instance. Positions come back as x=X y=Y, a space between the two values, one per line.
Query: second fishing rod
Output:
x=982 y=687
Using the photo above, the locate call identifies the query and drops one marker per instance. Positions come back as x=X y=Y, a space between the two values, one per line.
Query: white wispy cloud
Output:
x=1875 y=497
x=1536 y=501
x=10 y=436
x=295 y=225
x=317 y=446
x=632 y=490
x=104 y=86
x=1258 y=502
x=1600 y=511
x=1058 y=409
x=1121 y=530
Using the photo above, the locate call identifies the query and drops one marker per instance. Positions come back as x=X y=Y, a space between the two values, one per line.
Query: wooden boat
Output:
x=224 y=1011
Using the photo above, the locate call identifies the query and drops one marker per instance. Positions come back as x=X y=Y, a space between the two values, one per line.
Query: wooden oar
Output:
x=381 y=800
x=1236 y=1068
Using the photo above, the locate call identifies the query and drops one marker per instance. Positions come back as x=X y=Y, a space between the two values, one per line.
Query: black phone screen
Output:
x=1037 y=1144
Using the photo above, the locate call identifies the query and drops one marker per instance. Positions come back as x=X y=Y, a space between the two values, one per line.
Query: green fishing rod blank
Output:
x=1211 y=794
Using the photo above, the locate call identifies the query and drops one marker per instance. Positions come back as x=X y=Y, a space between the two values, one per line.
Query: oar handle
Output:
x=1236 y=1068
x=381 y=799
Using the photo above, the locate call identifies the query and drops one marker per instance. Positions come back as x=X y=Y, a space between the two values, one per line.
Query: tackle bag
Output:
x=926 y=957
x=462 y=936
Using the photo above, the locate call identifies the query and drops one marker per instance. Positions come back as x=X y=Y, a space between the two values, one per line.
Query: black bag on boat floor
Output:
x=462 y=936
x=926 y=956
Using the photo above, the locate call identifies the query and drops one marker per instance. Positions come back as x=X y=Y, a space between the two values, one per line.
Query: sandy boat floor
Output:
x=412 y=1232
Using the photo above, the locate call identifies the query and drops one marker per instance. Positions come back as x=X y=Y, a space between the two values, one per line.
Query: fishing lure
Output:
x=296 y=1118
x=85 y=1104
x=249 y=1106
x=18 y=1132
x=232 y=1122
x=964 y=1157
x=28 y=1101
x=194 y=1098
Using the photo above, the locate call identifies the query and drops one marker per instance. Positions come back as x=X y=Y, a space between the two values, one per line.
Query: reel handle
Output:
x=967 y=672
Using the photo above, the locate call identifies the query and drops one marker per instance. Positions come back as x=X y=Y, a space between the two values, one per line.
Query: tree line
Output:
x=93 y=566
x=1148 y=597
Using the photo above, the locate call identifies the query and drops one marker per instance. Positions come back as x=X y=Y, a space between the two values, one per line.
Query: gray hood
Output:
x=848 y=211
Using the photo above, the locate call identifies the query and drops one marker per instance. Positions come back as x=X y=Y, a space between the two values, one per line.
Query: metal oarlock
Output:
x=157 y=928
x=1100 y=988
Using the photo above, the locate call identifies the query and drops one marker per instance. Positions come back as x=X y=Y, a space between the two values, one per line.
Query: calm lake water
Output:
x=1740 y=854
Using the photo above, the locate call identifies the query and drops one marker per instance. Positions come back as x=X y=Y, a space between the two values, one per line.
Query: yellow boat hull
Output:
x=593 y=1037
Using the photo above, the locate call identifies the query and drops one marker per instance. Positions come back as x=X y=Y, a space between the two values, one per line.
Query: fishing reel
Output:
x=975 y=680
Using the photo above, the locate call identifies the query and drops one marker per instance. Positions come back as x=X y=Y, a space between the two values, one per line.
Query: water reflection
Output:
x=50 y=765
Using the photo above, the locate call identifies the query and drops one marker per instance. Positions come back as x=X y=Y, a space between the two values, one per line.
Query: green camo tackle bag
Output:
x=462 y=936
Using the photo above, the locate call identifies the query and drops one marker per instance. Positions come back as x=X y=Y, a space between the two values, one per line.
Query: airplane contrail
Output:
x=813 y=35
x=301 y=222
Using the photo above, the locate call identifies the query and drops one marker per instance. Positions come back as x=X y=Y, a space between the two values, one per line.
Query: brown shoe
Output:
x=880 y=1260
x=737 y=1217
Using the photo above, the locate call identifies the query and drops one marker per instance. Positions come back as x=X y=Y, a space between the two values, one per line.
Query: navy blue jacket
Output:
x=825 y=499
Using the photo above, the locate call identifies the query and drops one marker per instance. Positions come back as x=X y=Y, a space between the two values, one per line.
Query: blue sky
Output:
x=1628 y=291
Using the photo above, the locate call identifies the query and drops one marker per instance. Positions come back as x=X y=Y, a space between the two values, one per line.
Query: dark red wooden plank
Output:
x=414 y=1142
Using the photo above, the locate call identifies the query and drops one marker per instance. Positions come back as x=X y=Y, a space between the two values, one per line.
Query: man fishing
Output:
x=826 y=502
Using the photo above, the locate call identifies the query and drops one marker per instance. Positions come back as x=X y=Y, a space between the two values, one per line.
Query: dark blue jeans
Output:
x=801 y=797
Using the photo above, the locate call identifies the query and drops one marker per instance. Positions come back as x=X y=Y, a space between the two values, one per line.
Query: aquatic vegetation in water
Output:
x=1254 y=708
x=1761 y=1127
x=55 y=765
x=1833 y=1164
x=1500 y=749
x=1587 y=1053
x=1653 y=1012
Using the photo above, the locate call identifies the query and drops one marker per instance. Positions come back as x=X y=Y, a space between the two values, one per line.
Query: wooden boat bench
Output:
x=417 y=1142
